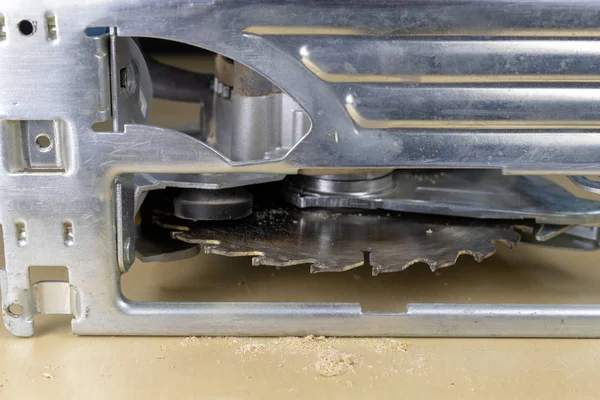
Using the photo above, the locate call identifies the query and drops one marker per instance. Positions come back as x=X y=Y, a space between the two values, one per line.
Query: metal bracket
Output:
x=130 y=84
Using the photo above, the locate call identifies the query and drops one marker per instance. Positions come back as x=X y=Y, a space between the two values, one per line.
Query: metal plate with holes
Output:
x=525 y=102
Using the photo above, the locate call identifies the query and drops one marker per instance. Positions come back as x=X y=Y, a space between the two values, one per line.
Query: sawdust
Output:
x=192 y=340
x=329 y=361
x=252 y=348
x=333 y=362
x=386 y=346
x=418 y=366
x=300 y=345
x=320 y=356
x=270 y=214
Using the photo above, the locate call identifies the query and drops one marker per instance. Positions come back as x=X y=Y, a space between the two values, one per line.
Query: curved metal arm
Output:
x=586 y=184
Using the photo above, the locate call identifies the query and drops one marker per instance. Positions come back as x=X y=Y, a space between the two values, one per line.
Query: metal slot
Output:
x=50 y=289
x=2 y=28
x=2 y=255
x=51 y=28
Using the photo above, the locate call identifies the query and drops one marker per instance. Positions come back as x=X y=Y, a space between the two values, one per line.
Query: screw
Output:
x=130 y=77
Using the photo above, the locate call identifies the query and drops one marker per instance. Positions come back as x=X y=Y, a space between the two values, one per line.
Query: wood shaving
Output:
x=334 y=363
x=384 y=346
x=189 y=340
x=327 y=360
x=286 y=345
x=48 y=376
x=252 y=348
x=330 y=362
x=403 y=346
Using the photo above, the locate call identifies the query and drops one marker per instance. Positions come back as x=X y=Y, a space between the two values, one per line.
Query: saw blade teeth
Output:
x=321 y=267
x=434 y=265
x=337 y=242
x=508 y=243
x=375 y=269
x=442 y=264
x=480 y=256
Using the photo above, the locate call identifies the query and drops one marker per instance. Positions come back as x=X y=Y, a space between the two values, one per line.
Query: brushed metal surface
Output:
x=67 y=79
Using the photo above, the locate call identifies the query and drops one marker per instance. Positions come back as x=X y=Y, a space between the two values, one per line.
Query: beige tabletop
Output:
x=56 y=364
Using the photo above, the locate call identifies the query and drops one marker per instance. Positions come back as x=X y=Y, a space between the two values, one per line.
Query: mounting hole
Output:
x=43 y=142
x=26 y=27
x=14 y=310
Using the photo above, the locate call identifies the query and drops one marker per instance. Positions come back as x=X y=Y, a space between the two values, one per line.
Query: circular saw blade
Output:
x=333 y=241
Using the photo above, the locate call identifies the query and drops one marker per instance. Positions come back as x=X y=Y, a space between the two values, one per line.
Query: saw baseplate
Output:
x=72 y=201
x=335 y=241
